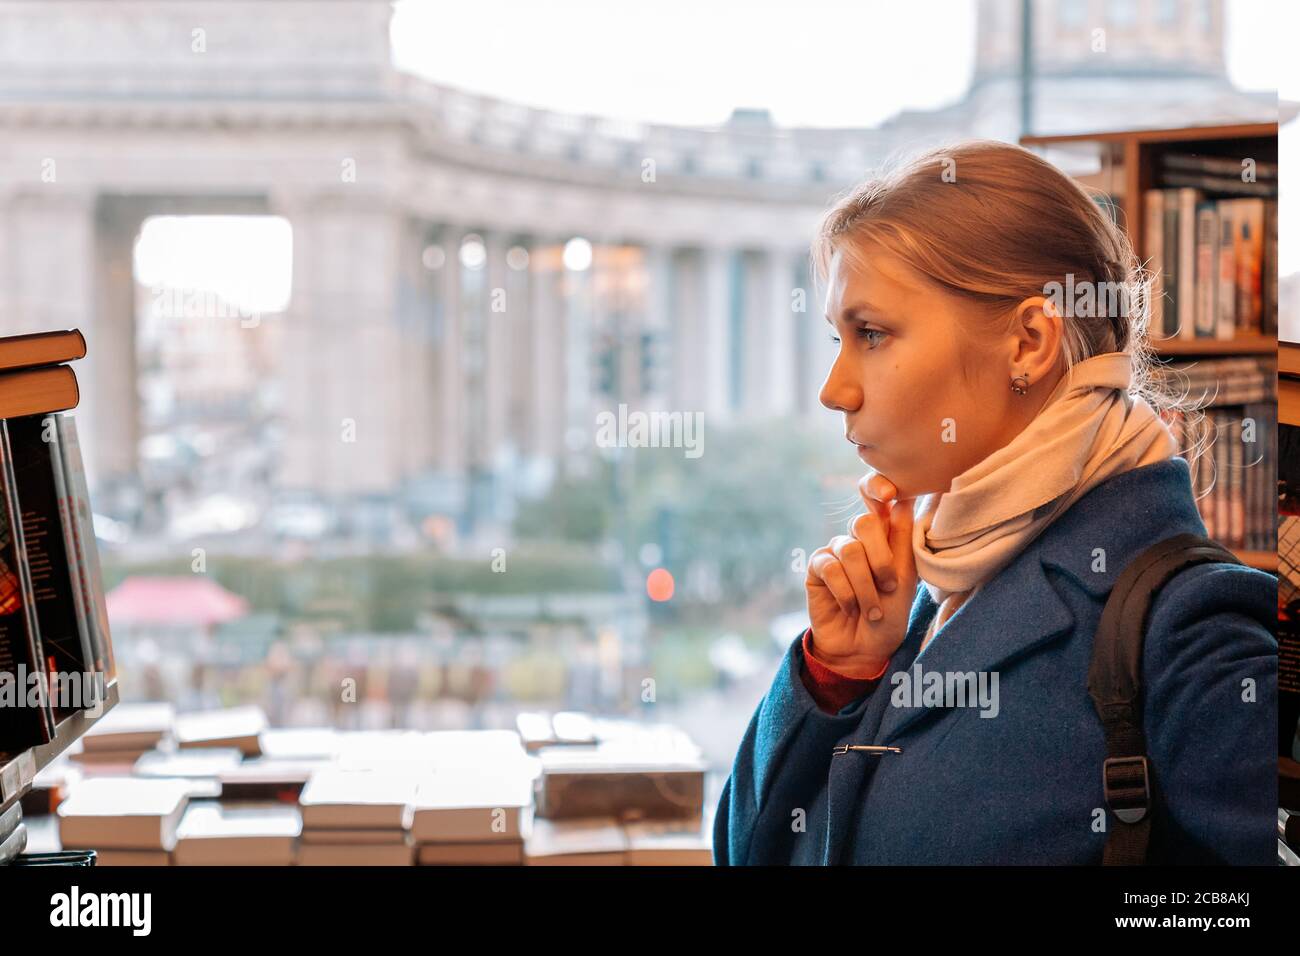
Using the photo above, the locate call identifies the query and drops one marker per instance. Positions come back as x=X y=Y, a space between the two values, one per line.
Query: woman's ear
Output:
x=1037 y=336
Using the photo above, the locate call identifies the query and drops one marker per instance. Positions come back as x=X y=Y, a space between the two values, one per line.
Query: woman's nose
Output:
x=841 y=391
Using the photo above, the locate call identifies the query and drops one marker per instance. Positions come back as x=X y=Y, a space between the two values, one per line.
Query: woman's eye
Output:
x=864 y=333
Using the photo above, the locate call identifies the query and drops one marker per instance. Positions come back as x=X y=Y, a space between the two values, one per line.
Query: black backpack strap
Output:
x=1115 y=685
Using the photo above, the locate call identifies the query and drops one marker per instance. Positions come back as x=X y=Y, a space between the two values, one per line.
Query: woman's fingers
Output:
x=825 y=567
x=881 y=498
x=873 y=534
x=853 y=558
x=877 y=491
x=901 y=521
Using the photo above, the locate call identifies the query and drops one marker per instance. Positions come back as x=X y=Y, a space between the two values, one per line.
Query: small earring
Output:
x=1020 y=385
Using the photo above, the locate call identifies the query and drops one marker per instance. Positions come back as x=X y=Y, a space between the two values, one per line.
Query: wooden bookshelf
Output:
x=1288 y=359
x=1129 y=164
x=1288 y=383
x=1241 y=345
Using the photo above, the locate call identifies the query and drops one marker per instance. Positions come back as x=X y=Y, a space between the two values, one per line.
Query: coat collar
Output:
x=1019 y=609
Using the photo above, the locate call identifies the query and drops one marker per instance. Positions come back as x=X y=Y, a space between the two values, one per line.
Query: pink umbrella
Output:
x=174 y=602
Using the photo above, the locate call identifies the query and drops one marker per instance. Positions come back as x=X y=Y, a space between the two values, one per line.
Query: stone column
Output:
x=715 y=332
x=417 y=328
x=814 y=349
x=65 y=270
x=343 y=350
x=774 y=352
x=548 y=335
x=579 y=305
x=498 y=328
x=689 y=341
x=451 y=379
x=112 y=382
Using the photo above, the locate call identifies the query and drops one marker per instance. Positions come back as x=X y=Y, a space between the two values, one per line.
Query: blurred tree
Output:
x=577 y=508
x=754 y=496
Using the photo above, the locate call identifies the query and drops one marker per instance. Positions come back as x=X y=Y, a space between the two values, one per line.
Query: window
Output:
x=1121 y=13
x=1072 y=12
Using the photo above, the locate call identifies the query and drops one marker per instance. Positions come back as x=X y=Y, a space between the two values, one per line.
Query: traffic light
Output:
x=650 y=364
x=606 y=370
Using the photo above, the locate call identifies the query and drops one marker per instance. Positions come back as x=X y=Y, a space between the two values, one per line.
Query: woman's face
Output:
x=898 y=380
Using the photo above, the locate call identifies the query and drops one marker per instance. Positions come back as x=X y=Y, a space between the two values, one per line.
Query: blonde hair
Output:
x=995 y=224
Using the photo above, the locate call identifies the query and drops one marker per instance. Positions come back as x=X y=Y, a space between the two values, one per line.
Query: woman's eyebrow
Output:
x=849 y=311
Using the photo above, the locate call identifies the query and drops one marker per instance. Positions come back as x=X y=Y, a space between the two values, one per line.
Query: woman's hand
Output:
x=861 y=585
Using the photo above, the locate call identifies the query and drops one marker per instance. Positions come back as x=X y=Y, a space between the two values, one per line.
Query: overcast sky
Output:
x=811 y=62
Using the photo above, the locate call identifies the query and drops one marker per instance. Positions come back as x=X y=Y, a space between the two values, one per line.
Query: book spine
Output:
x=1207 y=473
x=67 y=527
x=1153 y=250
x=1207 y=264
x=1226 y=440
x=33 y=443
x=1225 y=322
x=1266 y=483
x=1250 y=454
x=1171 y=264
x=1237 y=514
x=1222 y=438
x=25 y=717
x=1250 y=252
x=1195 y=434
x=1266 y=477
x=1187 y=200
x=1217 y=166
x=89 y=575
x=1255 y=502
x=1268 y=277
x=1261 y=515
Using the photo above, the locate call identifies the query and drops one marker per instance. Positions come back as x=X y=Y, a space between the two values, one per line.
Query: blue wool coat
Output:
x=1024 y=786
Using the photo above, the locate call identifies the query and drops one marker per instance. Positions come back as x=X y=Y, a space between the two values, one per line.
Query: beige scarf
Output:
x=1090 y=429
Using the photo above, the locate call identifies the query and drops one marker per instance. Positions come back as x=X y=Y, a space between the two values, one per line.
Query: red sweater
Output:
x=831 y=689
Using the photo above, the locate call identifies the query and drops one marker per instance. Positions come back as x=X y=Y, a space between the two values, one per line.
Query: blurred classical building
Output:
x=447 y=337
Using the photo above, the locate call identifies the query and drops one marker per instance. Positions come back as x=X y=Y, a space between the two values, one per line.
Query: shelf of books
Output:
x=57 y=673
x=1200 y=207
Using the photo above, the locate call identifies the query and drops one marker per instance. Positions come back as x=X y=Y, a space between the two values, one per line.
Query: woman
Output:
x=1017 y=464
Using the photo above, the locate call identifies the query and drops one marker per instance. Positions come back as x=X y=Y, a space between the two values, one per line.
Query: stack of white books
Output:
x=211 y=834
x=129 y=821
x=357 y=818
x=474 y=816
x=237 y=727
x=116 y=741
